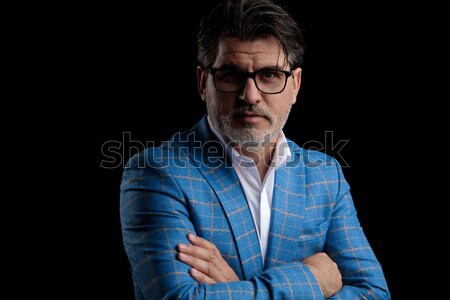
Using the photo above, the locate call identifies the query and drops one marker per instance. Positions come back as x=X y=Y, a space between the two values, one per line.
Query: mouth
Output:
x=249 y=117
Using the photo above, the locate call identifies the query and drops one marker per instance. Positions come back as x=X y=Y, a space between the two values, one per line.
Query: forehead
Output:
x=250 y=55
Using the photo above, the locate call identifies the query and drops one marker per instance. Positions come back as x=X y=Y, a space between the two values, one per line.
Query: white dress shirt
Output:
x=259 y=194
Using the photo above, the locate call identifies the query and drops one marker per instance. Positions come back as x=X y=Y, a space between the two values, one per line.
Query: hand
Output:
x=326 y=273
x=208 y=265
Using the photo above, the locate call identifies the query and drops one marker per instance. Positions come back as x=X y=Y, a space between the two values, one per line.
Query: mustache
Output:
x=250 y=108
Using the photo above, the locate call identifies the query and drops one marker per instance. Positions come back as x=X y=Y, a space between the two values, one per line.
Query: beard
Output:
x=247 y=136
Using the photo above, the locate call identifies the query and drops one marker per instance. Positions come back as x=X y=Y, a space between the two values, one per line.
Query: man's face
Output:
x=249 y=115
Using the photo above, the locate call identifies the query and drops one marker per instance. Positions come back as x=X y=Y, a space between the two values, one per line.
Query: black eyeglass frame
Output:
x=252 y=75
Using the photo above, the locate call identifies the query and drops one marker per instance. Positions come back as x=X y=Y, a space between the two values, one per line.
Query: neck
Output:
x=262 y=156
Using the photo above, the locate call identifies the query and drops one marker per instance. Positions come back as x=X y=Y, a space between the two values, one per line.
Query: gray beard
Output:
x=249 y=138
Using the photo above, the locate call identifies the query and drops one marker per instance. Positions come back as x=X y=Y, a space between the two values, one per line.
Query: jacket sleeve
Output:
x=348 y=246
x=155 y=218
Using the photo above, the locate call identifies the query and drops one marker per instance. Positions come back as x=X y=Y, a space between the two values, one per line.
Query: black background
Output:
x=134 y=73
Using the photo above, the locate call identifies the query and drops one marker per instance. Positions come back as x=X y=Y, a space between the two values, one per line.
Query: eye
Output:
x=229 y=75
x=269 y=74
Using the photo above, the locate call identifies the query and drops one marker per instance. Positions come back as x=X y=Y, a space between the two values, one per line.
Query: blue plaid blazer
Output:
x=188 y=185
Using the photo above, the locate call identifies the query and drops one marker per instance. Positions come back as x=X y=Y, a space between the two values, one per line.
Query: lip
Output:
x=249 y=117
x=248 y=114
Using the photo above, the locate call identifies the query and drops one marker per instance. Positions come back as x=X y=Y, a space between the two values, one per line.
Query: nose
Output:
x=249 y=92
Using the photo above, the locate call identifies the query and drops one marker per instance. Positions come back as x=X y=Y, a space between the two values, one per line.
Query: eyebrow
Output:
x=236 y=68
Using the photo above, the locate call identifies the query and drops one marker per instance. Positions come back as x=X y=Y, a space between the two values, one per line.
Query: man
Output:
x=232 y=209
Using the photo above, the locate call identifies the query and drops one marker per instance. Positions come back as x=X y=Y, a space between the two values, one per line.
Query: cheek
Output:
x=278 y=107
x=219 y=102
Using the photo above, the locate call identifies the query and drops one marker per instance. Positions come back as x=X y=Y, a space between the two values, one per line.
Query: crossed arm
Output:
x=155 y=222
x=208 y=265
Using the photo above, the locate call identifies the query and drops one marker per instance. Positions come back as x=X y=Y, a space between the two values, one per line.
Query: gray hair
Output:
x=249 y=20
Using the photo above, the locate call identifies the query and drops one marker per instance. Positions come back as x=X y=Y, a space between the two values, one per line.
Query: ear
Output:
x=297 y=73
x=202 y=75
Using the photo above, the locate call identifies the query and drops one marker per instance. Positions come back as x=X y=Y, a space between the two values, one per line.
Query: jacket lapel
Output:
x=288 y=205
x=212 y=161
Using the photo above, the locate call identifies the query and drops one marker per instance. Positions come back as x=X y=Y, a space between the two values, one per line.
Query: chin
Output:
x=260 y=126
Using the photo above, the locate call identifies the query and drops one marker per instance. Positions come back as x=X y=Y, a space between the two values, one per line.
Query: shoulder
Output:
x=317 y=166
x=311 y=159
x=174 y=152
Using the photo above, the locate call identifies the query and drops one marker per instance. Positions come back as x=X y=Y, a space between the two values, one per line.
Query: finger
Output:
x=199 y=252
x=213 y=253
x=203 y=266
x=200 y=277
x=201 y=242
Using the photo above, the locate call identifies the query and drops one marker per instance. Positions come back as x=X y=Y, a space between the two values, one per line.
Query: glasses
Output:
x=267 y=81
